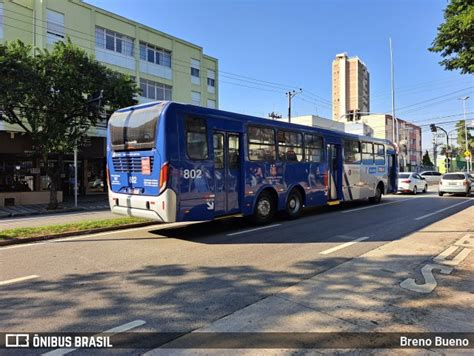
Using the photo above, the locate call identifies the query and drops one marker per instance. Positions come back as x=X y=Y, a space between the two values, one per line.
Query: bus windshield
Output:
x=134 y=129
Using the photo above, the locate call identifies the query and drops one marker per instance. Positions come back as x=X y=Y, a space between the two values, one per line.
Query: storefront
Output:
x=22 y=169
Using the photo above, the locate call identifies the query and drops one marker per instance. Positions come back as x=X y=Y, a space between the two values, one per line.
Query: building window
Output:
x=211 y=103
x=261 y=143
x=351 y=152
x=1 y=20
x=211 y=81
x=113 y=41
x=154 y=90
x=195 y=98
x=196 y=138
x=290 y=146
x=155 y=54
x=55 y=26
x=313 y=148
x=195 y=71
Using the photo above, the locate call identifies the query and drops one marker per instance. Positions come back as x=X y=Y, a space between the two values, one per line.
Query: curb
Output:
x=74 y=233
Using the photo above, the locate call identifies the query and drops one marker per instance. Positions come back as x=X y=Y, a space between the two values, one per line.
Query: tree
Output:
x=427 y=160
x=455 y=38
x=53 y=96
x=461 y=137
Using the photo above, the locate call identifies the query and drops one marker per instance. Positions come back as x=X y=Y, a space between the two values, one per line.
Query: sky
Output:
x=267 y=47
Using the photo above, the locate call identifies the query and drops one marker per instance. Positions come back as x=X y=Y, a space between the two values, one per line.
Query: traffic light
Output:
x=356 y=115
x=447 y=163
x=350 y=115
x=433 y=128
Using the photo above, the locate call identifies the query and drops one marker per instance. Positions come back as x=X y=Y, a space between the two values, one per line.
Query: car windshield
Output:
x=454 y=176
x=404 y=175
x=134 y=129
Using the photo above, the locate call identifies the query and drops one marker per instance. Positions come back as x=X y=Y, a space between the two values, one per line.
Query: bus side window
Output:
x=313 y=148
x=290 y=146
x=379 y=154
x=261 y=143
x=196 y=138
x=367 y=153
x=352 y=152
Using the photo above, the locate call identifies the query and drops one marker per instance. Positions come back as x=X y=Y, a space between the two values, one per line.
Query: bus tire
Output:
x=378 y=195
x=294 y=204
x=265 y=208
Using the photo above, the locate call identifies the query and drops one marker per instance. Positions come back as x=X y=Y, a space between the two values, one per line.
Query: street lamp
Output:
x=468 y=162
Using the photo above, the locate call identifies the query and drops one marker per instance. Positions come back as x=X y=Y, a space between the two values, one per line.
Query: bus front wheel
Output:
x=294 y=204
x=264 y=208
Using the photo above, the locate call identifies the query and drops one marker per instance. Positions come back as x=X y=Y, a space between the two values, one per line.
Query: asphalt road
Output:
x=180 y=277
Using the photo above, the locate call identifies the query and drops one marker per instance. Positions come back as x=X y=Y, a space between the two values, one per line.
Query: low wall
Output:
x=28 y=198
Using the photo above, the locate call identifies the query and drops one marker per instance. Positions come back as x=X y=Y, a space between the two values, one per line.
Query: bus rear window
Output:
x=134 y=129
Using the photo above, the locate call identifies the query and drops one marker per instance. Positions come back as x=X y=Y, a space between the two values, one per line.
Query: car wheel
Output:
x=440 y=194
x=426 y=188
x=415 y=190
x=294 y=204
x=264 y=208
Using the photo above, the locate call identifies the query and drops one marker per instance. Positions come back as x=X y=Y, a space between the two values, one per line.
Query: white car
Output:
x=459 y=182
x=432 y=177
x=410 y=182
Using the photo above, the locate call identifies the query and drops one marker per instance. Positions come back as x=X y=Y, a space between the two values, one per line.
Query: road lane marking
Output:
x=375 y=206
x=16 y=280
x=441 y=210
x=347 y=244
x=110 y=332
x=252 y=230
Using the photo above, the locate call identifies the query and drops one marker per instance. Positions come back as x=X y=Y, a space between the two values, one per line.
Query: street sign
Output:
x=467 y=153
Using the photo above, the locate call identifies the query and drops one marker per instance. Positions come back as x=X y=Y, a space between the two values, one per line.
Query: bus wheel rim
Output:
x=264 y=207
x=294 y=204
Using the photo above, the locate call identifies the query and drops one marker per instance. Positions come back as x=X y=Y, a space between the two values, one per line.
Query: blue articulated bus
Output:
x=176 y=162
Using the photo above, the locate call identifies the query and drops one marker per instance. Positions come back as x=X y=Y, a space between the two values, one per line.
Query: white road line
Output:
x=116 y=330
x=441 y=210
x=347 y=244
x=374 y=206
x=16 y=280
x=251 y=230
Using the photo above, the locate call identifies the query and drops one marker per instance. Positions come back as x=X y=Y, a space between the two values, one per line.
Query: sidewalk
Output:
x=375 y=292
x=85 y=203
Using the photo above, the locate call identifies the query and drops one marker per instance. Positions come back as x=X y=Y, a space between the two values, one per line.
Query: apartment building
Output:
x=350 y=86
x=165 y=68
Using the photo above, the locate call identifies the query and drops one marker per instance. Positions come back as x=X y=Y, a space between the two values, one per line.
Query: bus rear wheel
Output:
x=264 y=208
x=378 y=195
x=294 y=204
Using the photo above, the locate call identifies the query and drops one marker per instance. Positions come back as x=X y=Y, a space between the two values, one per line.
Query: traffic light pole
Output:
x=434 y=128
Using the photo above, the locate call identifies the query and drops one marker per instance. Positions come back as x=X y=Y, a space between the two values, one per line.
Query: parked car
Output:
x=459 y=183
x=410 y=182
x=432 y=177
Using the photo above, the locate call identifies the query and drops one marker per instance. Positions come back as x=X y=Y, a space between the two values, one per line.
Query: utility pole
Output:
x=435 y=150
x=468 y=158
x=395 y=134
x=290 y=95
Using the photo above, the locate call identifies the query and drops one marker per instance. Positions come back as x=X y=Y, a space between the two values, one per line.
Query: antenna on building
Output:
x=273 y=115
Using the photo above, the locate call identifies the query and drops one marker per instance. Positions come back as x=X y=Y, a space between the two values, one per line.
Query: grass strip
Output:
x=25 y=232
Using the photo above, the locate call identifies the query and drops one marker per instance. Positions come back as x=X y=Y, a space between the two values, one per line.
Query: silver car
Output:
x=460 y=183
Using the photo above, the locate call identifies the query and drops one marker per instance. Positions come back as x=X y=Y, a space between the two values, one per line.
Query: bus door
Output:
x=392 y=174
x=227 y=173
x=334 y=170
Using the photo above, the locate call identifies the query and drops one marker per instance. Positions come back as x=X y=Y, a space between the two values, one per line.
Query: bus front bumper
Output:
x=161 y=208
